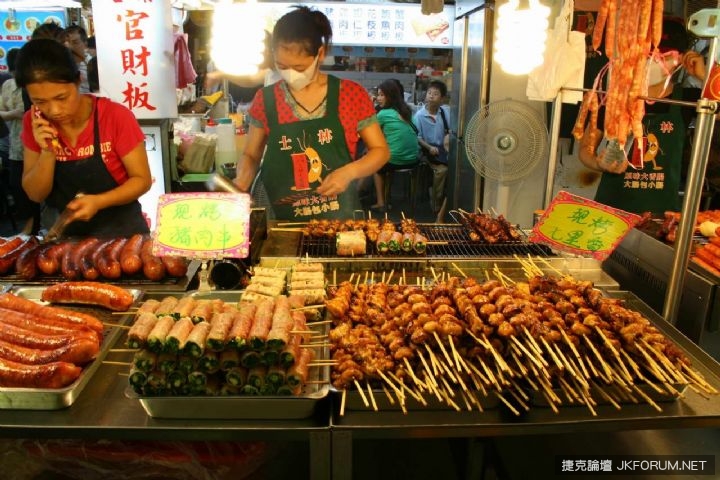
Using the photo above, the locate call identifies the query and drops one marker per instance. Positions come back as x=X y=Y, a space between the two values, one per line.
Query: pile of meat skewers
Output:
x=483 y=227
x=550 y=340
x=192 y=346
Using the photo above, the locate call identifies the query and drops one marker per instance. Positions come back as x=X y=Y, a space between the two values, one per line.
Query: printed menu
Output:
x=16 y=28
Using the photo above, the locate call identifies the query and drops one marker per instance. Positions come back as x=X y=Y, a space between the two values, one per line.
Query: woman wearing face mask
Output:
x=310 y=123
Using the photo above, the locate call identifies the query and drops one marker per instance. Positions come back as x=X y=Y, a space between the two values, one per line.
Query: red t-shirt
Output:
x=119 y=134
x=355 y=109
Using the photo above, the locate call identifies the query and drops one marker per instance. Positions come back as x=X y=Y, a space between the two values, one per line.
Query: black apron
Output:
x=91 y=176
x=299 y=155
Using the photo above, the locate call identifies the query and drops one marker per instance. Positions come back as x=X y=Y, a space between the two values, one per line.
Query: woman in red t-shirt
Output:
x=81 y=152
x=310 y=123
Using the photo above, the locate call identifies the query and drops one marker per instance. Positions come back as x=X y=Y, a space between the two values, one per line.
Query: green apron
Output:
x=299 y=155
x=655 y=187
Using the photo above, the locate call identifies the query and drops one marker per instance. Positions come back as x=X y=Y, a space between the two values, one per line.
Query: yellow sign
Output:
x=577 y=225
x=203 y=225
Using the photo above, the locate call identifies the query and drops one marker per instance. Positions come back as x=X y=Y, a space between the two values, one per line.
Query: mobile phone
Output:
x=52 y=143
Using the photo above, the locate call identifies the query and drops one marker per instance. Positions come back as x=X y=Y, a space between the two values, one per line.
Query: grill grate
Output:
x=444 y=241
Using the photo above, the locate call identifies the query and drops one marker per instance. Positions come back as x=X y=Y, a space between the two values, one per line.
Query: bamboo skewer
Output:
x=111 y=362
x=370 y=394
x=342 y=402
x=362 y=394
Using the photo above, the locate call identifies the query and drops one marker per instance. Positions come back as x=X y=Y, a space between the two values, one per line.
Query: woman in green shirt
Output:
x=395 y=119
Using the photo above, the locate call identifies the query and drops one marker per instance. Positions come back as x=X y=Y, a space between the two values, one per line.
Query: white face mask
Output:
x=298 y=80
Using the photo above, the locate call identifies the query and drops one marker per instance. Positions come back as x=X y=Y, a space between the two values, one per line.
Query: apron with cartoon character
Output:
x=91 y=176
x=654 y=187
x=300 y=155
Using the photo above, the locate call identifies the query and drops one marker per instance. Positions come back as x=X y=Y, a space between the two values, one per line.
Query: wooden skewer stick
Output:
x=127 y=312
x=307 y=307
x=342 y=402
x=432 y=270
x=428 y=370
x=507 y=404
x=372 y=397
x=651 y=364
x=575 y=352
x=533 y=343
x=362 y=394
x=541 y=363
x=398 y=393
x=289 y=224
x=699 y=380
x=123 y=350
x=615 y=353
x=603 y=364
x=122 y=364
x=315 y=345
x=608 y=398
x=390 y=276
x=458 y=269
x=669 y=367
x=551 y=403
x=319 y=322
x=415 y=379
x=387 y=394
x=116 y=325
x=442 y=348
x=412 y=393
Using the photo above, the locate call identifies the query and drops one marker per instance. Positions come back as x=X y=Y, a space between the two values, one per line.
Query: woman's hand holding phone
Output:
x=43 y=131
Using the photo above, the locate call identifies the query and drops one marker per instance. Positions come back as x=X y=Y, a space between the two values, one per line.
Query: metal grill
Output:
x=444 y=241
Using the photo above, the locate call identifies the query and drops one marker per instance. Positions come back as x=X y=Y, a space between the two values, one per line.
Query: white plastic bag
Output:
x=564 y=62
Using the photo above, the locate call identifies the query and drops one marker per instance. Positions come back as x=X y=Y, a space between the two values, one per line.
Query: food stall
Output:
x=512 y=388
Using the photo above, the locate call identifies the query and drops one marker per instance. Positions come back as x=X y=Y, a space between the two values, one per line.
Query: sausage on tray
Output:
x=51 y=314
x=130 y=261
x=39 y=325
x=47 y=259
x=104 y=295
x=109 y=260
x=175 y=266
x=89 y=263
x=26 y=263
x=153 y=268
x=78 y=351
x=70 y=265
x=7 y=261
x=52 y=375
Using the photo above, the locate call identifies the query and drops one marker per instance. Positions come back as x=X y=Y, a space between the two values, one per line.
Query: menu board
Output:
x=376 y=24
x=16 y=28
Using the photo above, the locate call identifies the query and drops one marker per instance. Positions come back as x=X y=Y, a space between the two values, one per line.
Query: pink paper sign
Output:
x=203 y=225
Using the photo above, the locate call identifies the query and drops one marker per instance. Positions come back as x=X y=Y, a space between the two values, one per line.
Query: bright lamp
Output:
x=520 y=36
x=237 y=42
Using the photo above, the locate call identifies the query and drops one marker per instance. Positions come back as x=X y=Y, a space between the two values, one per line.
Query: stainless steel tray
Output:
x=55 y=399
x=239 y=407
x=233 y=407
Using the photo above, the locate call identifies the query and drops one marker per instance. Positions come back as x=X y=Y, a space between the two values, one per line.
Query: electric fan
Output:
x=505 y=140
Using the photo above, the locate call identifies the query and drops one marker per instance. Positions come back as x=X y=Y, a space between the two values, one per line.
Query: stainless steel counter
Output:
x=692 y=411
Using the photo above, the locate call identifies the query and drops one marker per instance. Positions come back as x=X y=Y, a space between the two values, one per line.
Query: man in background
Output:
x=76 y=40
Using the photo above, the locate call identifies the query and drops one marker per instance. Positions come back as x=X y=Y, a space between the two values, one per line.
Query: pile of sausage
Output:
x=630 y=31
x=43 y=346
x=90 y=258
x=468 y=338
x=195 y=346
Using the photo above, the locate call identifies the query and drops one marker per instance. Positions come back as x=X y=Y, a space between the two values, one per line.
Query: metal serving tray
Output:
x=55 y=399
x=239 y=407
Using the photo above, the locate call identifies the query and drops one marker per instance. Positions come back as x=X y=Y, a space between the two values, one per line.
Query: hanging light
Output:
x=237 y=42
x=520 y=36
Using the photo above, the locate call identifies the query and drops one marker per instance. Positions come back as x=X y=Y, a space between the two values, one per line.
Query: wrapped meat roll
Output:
x=350 y=244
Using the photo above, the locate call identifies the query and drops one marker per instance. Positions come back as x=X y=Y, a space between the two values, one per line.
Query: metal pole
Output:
x=704 y=126
x=554 y=140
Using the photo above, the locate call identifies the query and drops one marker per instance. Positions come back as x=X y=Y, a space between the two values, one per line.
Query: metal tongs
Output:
x=58 y=228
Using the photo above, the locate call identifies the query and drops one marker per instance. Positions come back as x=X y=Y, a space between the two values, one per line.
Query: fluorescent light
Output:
x=520 y=36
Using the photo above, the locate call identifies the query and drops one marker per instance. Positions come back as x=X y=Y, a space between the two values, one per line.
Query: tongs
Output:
x=58 y=228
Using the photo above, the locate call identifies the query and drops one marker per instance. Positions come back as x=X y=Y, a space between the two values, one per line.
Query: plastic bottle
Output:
x=225 y=152
x=211 y=127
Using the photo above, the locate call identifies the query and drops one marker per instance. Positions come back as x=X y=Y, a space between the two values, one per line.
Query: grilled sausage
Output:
x=105 y=295
x=153 y=267
x=49 y=258
x=109 y=260
x=52 y=375
x=130 y=260
x=52 y=315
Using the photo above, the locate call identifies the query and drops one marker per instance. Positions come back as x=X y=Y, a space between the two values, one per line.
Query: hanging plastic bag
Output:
x=564 y=62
